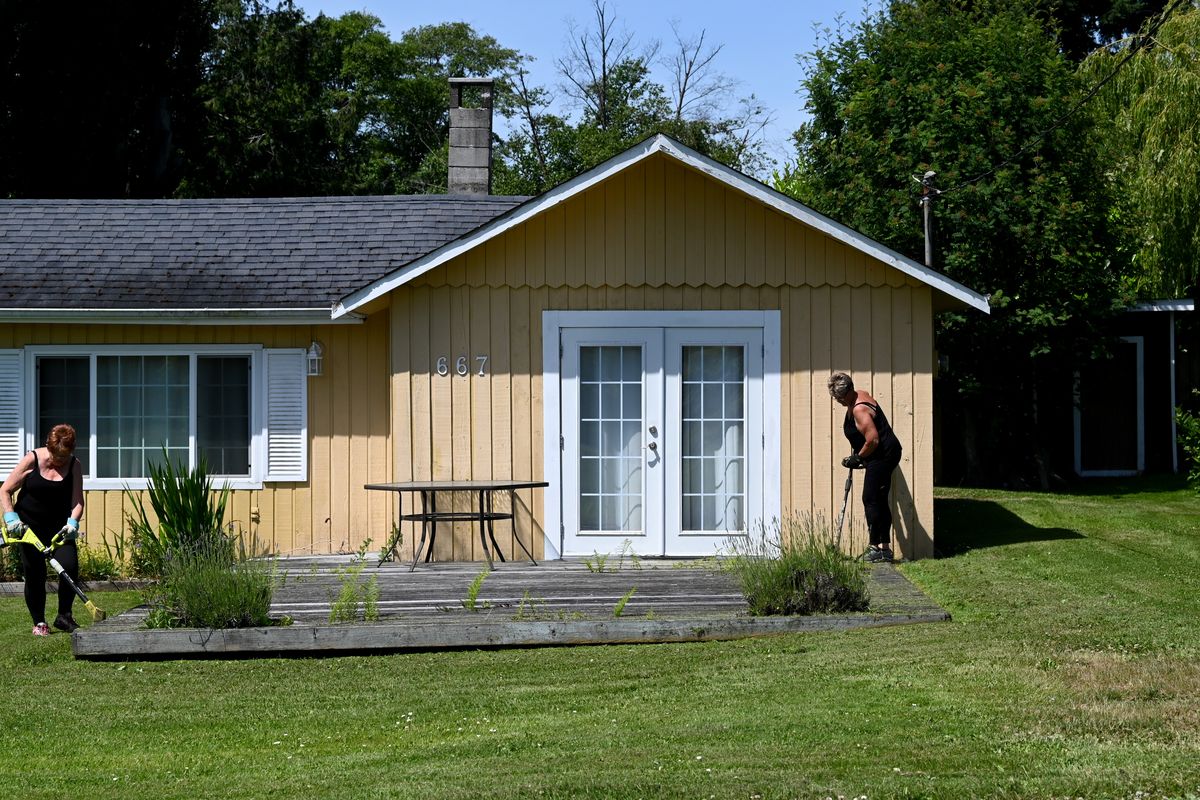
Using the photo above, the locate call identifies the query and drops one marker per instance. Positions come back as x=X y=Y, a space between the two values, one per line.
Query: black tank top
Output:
x=889 y=445
x=43 y=504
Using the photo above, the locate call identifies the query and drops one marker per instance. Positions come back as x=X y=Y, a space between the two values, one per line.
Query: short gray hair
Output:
x=840 y=384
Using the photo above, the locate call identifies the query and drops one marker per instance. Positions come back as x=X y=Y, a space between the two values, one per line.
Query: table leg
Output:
x=512 y=505
x=432 y=523
x=482 y=539
x=491 y=507
x=424 y=530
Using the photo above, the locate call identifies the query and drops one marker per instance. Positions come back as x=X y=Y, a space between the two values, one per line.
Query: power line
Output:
x=1140 y=42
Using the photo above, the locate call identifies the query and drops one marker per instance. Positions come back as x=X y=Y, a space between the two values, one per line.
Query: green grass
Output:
x=1070 y=670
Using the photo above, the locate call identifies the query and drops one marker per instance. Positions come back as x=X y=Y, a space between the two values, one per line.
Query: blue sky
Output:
x=761 y=38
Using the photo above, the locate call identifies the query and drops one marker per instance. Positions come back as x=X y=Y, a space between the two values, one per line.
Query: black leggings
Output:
x=876 y=485
x=33 y=563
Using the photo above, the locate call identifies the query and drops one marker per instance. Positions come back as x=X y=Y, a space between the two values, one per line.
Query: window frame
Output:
x=254 y=480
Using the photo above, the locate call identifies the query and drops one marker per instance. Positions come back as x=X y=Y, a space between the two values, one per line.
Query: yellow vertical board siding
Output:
x=574 y=242
x=922 y=459
x=522 y=353
x=285 y=511
x=555 y=242
x=593 y=237
x=504 y=377
x=716 y=261
x=735 y=239
x=780 y=258
x=634 y=189
x=655 y=215
x=695 y=201
x=402 y=407
x=614 y=232
x=754 y=242
x=535 y=251
x=460 y=394
x=514 y=256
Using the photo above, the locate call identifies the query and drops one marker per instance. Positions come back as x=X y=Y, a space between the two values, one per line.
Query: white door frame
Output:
x=553 y=324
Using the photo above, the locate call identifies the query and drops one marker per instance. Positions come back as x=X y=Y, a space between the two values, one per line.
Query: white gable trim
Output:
x=716 y=170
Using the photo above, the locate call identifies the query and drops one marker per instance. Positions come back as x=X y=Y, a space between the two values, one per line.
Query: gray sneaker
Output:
x=876 y=555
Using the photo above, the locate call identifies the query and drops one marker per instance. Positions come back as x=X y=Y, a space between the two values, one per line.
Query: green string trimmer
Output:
x=30 y=538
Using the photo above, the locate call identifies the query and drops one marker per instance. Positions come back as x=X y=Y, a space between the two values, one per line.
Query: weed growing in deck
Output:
x=471 y=601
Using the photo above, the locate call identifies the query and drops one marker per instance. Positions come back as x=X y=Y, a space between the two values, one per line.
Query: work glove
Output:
x=12 y=522
x=70 y=531
x=853 y=461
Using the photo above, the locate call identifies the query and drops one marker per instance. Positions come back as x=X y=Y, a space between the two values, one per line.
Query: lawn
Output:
x=1071 y=669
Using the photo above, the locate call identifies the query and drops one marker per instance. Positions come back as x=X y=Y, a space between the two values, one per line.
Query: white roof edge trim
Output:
x=664 y=144
x=1183 y=304
x=181 y=316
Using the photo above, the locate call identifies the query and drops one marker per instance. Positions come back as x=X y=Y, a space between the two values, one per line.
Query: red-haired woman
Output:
x=48 y=482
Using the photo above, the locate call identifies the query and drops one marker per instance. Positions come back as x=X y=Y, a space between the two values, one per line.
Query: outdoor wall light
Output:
x=315 y=353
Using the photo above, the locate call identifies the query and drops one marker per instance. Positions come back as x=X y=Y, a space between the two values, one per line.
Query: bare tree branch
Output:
x=696 y=88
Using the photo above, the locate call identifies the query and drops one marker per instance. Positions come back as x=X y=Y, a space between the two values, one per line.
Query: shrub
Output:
x=189 y=514
x=96 y=564
x=1188 y=431
x=208 y=586
x=796 y=567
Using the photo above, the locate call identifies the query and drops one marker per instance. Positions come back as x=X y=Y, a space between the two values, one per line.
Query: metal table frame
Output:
x=484 y=512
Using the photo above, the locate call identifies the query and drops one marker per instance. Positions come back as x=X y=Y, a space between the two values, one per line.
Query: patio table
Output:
x=483 y=512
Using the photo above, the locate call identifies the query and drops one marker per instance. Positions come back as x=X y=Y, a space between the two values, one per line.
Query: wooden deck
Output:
x=518 y=604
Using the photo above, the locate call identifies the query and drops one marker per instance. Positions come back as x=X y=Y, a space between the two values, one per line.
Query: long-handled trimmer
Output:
x=845 y=502
x=30 y=538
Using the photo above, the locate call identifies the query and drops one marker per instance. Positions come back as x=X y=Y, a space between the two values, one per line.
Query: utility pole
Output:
x=928 y=193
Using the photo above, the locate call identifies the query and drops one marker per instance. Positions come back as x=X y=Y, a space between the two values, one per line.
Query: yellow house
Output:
x=652 y=339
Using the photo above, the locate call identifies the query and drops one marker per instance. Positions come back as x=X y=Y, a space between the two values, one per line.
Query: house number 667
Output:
x=460 y=365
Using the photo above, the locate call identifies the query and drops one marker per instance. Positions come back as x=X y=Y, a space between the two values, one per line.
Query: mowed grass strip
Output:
x=1069 y=670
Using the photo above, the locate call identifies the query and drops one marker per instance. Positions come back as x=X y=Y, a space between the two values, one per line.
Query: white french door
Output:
x=661 y=438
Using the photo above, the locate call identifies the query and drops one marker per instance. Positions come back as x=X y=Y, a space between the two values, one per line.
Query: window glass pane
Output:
x=64 y=397
x=138 y=413
x=223 y=413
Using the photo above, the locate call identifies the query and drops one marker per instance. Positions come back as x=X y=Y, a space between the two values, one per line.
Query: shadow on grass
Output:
x=963 y=525
x=1119 y=487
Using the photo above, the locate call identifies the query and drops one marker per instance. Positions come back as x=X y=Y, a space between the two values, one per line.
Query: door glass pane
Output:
x=64 y=396
x=714 y=432
x=610 y=438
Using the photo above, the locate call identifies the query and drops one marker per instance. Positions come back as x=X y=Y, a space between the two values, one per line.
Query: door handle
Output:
x=653 y=446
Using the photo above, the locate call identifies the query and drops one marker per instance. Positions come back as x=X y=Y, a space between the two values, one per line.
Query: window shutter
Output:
x=12 y=407
x=286 y=393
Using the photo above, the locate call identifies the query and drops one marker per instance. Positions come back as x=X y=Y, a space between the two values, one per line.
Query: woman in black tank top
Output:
x=878 y=451
x=48 y=482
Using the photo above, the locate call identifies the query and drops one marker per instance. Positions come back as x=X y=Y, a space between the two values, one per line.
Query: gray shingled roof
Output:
x=235 y=254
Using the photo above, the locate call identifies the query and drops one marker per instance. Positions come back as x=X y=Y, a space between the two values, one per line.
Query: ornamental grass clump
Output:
x=213 y=585
x=189 y=514
x=797 y=567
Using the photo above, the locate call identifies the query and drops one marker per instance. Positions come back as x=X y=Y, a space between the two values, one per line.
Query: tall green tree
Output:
x=328 y=106
x=1149 y=116
x=972 y=91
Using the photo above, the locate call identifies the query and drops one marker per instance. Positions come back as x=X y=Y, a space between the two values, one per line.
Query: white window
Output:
x=130 y=405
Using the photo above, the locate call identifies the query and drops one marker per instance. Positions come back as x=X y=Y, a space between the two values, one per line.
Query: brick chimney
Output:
x=470 y=139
